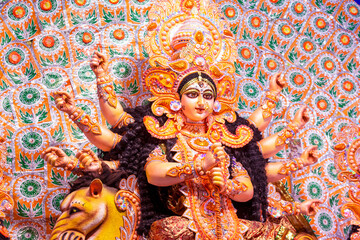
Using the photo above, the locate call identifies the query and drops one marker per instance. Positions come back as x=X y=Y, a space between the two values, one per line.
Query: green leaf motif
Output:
x=59 y=22
x=334 y=200
x=351 y=26
x=253 y=107
x=351 y=65
x=308 y=33
x=262 y=78
x=144 y=52
x=42 y=114
x=130 y=52
x=6 y=223
x=30 y=72
x=333 y=92
x=259 y=40
x=273 y=43
x=317 y=171
x=342 y=57
x=330 y=47
x=133 y=87
x=319 y=121
x=298 y=26
x=319 y=41
x=276 y=15
x=341 y=18
x=75 y=19
x=26 y=117
x=121 y=16
x=86 y=93
x=296 y=97
x=6 y=39
x=352 y=112
x=246 y=35
x=312 y=70
x=250 y=71
x=241 y=104
x=329 y=134
x=52 y=221
x=297 y=188
x=108 y=16
x=4 y=86
x=146 y=16
x=58 y=135
x=252 y=4
x=342 y=102
x=45 y=62
x=10 y=134
x=63 y=60
x=72 y=177
x=24 y=162
x=118 y=89
x=293 y=56
x=39 y=163
x=91 y=18
x=19 y=33
x=31 y=29
x=80 y=55
x=57 y=179
x=285 y=91
x=76 y=132
x=37 y=210
x=329 y=9
x=135 y=15
x=114 y=52
x=22 y=210
x=321 y=81
x=319 y=3
x=234 y=29
x=238 y=68
x=264 y=9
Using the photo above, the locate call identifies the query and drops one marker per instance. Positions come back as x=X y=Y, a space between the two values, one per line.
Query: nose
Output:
x=201 y=100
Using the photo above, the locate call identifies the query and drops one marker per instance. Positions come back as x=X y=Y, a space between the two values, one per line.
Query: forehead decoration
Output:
x=197 y=79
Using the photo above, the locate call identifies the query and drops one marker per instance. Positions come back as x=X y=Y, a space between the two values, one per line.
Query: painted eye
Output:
x=208 y=96
x=192 y=94
x=74 y=210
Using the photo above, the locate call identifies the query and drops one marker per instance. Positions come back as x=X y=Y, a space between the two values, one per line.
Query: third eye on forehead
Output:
x=200 y=86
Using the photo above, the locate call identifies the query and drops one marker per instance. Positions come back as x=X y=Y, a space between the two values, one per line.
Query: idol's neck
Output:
x=194 y=128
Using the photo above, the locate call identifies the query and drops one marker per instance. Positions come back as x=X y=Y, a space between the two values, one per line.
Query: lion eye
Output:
x=74 y=210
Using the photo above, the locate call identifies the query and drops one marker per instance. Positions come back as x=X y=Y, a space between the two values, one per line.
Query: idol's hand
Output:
x=301 y=117
x=215 y=155
x=89 y=162
x=277 y=83
x=64 y=102
x=309 y=207
x=55 y=157
x=217 y=178
x=99 y=64
x=310 y=156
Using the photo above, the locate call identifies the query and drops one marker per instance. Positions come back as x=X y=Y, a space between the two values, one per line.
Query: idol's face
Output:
x=197 y=101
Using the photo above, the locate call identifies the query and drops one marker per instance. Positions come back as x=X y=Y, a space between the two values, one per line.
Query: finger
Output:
x=100 y=55
x=46 y=151
x=59 y=152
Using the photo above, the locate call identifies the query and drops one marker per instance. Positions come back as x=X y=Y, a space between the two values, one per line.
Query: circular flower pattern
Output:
x=30 y=96
x=18 y=12
x=85 y=73
x=352 y=10
x=331 y=171
x=54 y=199
x=256 y=21
x=344 y=40
x=250 y=90
x=248 y=53
x=271 y=64
x=80 y=3
x=324 y=220
x=122 y=69
x=52 y=80
x=328 y=66
x=49 y=43
x=30 y=188
x=315 y=137
x=6 y=105
x=307 y=46
x=47 y=6
x=315 y=188
x=232 y=12
x=323 y=104
x=85 y=37
x=284 y=30
x=15 y=57
x=298 y=9
x=32 y=140
x=30 y=233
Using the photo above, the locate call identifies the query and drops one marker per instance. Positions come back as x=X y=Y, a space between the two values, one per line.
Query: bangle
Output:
x=234 y=187
x=198 y=161
x=124 y=120
x=269 y=104
x=105 y=90
x=291 y=166
x=117 y=139
x=182 y=170
x=286 y=134
x=83 y=120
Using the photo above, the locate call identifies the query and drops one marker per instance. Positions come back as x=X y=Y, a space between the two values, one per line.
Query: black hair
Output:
x=191 y=76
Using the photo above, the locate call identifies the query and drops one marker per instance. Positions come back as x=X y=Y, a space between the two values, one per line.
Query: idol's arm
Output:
x=278 y=170
x=262 y=116
x=109 y=105
x=274 y=143
x=97 y=134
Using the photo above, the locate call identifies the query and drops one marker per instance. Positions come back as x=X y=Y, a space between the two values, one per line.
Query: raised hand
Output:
x=64 y=102
x=56 y=157
x=218 y=178
x=309 y=207
x=89 y=162
x=277 y=83
x=99 y=64
x=310 y=156
x=302 y=116
x=215 y=155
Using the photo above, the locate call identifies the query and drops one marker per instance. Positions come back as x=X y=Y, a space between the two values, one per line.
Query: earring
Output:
x=175 y=105
x=217 y=106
